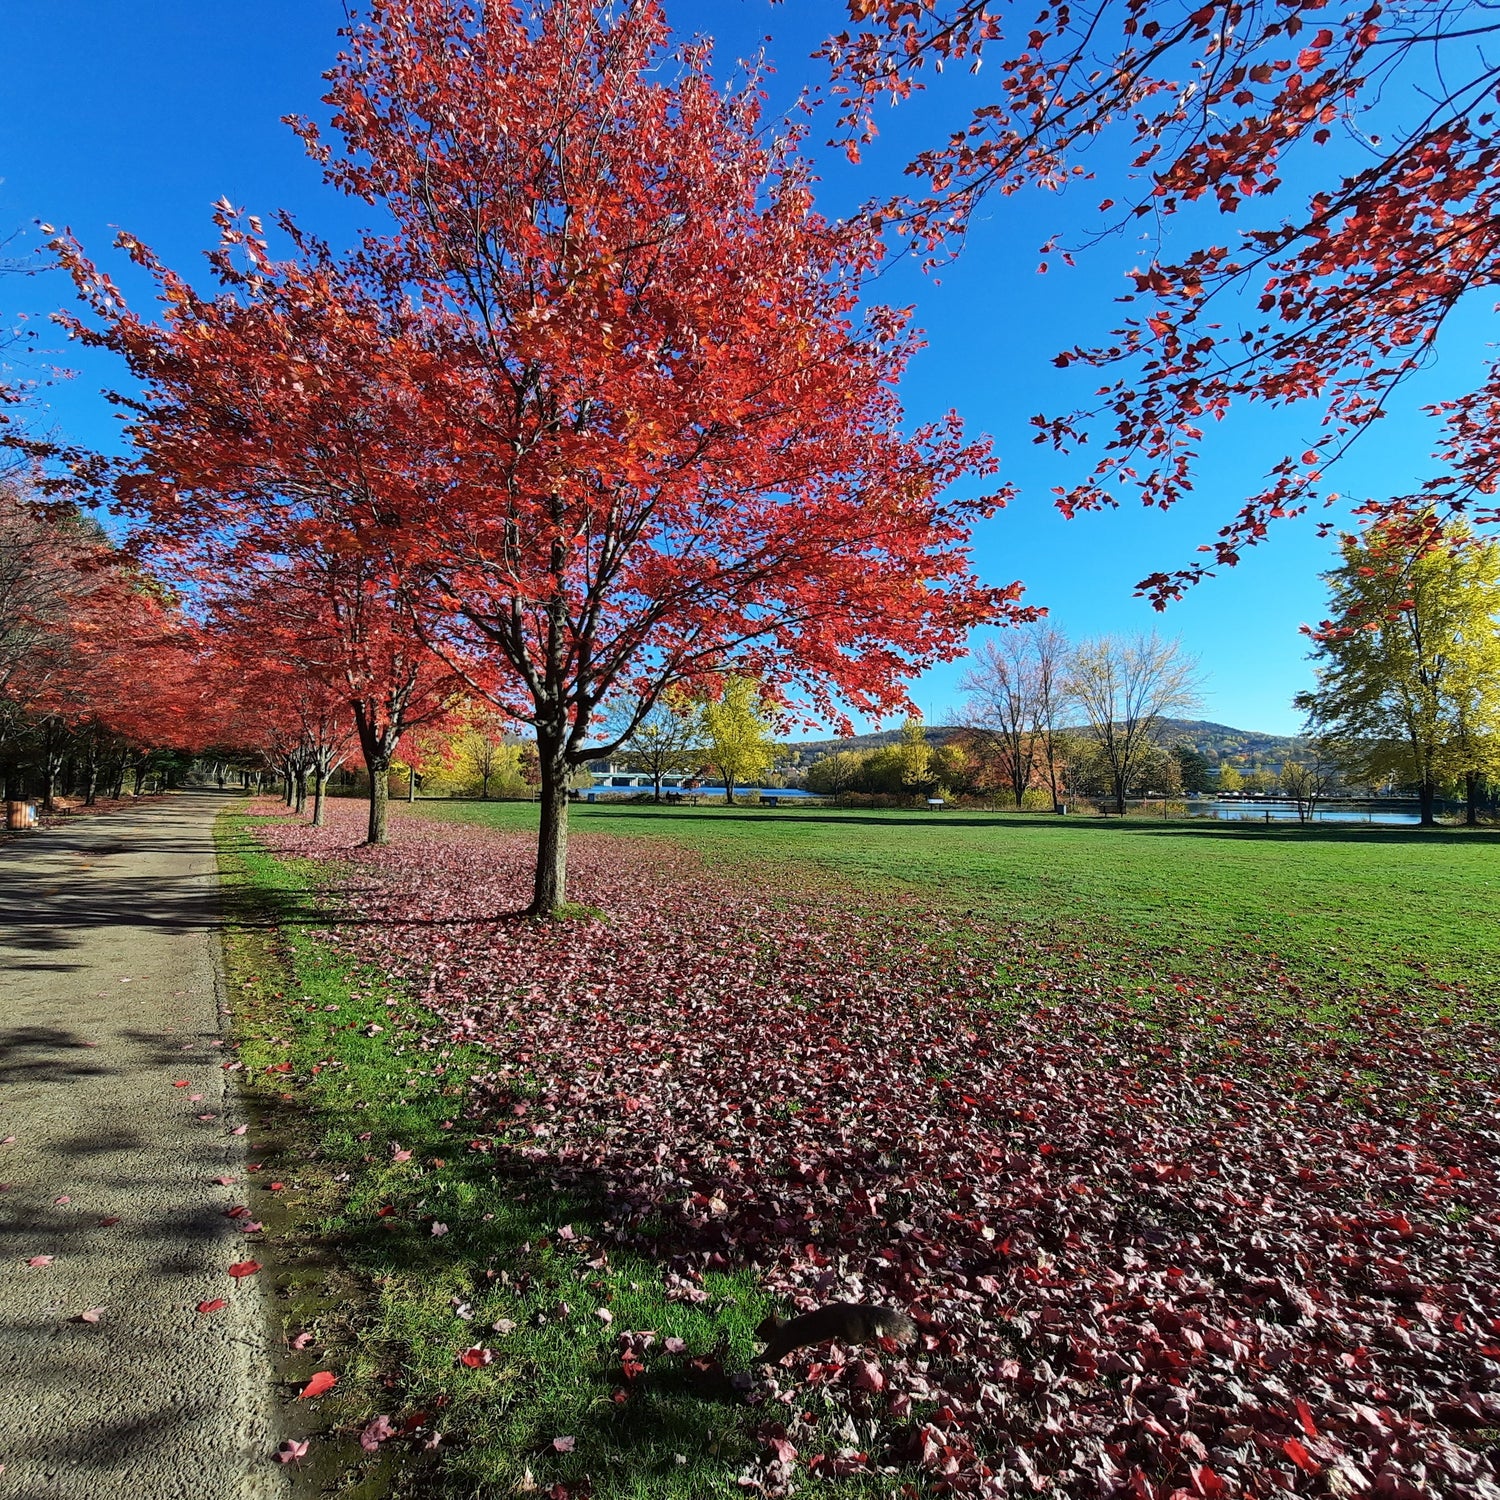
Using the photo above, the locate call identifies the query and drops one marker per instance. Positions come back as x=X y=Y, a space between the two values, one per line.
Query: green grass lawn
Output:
x=1389 y=907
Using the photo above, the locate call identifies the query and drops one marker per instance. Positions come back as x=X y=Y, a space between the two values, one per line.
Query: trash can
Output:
x=19 y=815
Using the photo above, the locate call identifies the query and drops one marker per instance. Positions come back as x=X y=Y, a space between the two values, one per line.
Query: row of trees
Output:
x=731 y=737
x=99 y=677
x=595 y=412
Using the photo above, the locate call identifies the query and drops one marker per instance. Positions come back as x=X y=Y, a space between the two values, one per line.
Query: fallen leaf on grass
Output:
x=301 y=1341
x=290 y=1451
x=40 y=1260
x=64 y=1199
x=321 y=1383
x=109 y=1222
x=439 y=1230
x=239 y=1130
x=181 y=1083
x=224 y=1181
x=564 y=1444
x=217 y=1305
x=243 y=1268
x=91 y=1315
x=476 y=1357
x=375 y=1433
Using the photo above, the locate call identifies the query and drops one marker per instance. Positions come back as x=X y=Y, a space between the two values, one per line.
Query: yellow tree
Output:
x=914 y=755
x=738 y=734
x=1409 y=659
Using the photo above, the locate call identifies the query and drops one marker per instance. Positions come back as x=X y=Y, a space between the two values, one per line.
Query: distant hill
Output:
x=1216 y=742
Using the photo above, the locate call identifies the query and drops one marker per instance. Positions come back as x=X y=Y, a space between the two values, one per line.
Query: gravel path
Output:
x=108 y=999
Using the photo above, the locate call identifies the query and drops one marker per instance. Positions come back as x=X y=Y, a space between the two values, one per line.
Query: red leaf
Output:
x=242 y=1268
x=321 y=1383
x=217 y=1305
x=1300 y=1456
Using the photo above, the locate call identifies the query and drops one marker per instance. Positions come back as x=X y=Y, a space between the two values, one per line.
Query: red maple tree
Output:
x=598 y=403
x=1332 y=294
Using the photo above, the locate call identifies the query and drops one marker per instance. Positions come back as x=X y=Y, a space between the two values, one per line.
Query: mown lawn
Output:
x=1386 y=906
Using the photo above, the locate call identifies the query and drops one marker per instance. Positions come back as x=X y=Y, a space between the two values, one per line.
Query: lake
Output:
x=1286 y=812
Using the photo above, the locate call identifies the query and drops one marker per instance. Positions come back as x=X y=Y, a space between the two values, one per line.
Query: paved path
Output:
x=108 y=995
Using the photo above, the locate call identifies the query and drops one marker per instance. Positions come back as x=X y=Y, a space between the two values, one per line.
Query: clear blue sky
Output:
x=140 y=116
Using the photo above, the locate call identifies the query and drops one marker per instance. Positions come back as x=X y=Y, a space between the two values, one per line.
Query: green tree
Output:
x=1193 y=769
x=1307 y=781
x=843 y=771
x=738 y=734
x=1409 y=659
x=1230 y=779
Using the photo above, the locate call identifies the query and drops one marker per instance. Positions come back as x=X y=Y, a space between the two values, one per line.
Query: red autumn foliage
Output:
x=602 y=413
x=1333 y=293
x=1150 y=1253
x=96 y=660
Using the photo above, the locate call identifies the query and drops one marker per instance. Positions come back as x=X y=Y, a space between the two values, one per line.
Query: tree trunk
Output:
x=91 y=792
x=320 y=785
x=411 y=785
x=139 y=772
x=728 y=790
x=1471 y=799
x=1426 y=795
x=301 y=789
x=551 y=888
x=52 y=764
x=380 y=797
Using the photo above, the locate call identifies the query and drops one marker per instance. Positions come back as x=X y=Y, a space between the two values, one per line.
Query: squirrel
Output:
x=848 y=1322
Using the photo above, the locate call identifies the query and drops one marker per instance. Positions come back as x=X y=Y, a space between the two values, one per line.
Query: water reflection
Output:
x=1286 y=812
